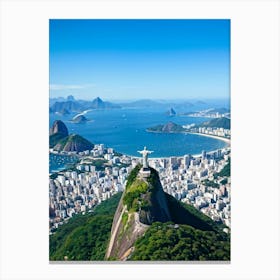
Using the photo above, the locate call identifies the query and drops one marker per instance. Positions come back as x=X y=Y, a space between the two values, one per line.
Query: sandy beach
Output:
x=195 y=155
x=212 y=136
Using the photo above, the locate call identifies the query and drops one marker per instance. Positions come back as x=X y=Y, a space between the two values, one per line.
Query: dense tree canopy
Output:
x=166 y=241
x=225 y=172
x=85 y=237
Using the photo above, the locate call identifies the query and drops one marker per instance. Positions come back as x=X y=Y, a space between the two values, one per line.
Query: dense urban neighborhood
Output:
x=201 y=180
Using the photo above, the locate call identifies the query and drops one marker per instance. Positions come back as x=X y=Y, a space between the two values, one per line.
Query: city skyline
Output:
x=136 y=59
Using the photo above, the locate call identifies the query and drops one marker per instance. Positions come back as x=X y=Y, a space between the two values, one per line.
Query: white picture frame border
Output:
x=24 y=137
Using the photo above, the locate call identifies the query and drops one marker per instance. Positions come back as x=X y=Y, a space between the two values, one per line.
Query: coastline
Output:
x=202 y=134
x=226 y=140
x=212 y=136
x=164 y=132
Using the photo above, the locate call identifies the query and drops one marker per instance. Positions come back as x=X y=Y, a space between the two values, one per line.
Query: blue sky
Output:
x=136 y=59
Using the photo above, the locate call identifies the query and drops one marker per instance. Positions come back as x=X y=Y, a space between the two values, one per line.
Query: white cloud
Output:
x=69 y=87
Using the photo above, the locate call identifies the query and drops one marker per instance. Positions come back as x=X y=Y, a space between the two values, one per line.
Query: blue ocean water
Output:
x=125 y=131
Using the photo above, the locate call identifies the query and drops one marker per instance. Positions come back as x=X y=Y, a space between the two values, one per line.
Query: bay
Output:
x=58 y=162
x=125 y=131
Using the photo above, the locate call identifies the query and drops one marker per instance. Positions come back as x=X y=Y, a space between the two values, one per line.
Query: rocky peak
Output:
x=59 y=127
x=70 y=98
x=142 y=203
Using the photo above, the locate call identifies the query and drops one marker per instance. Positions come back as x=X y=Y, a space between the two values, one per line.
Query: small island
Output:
x=171 y=112
x=170 y=127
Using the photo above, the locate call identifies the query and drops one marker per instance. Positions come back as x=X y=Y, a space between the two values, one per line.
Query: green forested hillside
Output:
x=73 y=143
x=190 y=235
x=55 y=138
x=142 y=194
x=219 y=122
x=166 y=241
x=225 y=172
x=85 y=237
x=182 y=213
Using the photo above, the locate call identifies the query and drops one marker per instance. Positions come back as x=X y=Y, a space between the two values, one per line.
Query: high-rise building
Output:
x=61 y=179
x=203 y=154
x=186 y=161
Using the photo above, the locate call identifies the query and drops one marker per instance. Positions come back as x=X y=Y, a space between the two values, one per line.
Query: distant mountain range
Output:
x=67 y=105
x=179 y=104
x=71 y=105
x=98 y=103
x=141 y=103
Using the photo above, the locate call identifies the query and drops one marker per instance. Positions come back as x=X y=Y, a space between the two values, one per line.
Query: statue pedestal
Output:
x=145 y=172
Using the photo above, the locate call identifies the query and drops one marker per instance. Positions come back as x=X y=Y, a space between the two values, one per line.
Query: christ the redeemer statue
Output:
x=145 y=154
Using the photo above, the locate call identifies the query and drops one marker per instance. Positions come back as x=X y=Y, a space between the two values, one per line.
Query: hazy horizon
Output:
x=140 y=59
x=142 y=99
